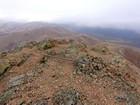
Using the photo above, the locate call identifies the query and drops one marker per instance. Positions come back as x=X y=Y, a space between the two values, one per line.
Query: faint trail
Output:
x=67 y=59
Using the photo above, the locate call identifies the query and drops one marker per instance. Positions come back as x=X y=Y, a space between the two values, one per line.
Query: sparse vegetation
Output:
x=22 y=45
x=129 y=98
x=89 y=65
x=61 y=72
x=20 y=60
x=63 y=41
x=3 y=54
x=46 y=44
x=101 y=49
x=68 y=96
x=4 y=65
x=118 y=61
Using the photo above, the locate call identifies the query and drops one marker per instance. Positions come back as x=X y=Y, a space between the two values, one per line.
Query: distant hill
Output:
x=11 y=27
x=12 y=33
x=121 y=36
x=131 y=54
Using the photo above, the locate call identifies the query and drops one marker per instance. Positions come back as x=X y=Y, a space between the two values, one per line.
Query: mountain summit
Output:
x=67 y=72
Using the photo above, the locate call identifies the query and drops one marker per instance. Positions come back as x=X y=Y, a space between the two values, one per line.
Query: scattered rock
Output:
x=118 y=61
x=51 y=52
x=14 y=84
x=133 y=99
x=101 y=49
x=38 y=101
x=43 y=59
x=68 y=52
x=19 y=61
x=67 y=96
x=71 y=40
x=78 y=46
x=123 y=85
x=22 y=45
x=89 y=65
x=3 y=54
x=26 y=86
x=63 y=41
x=129 y=98
x=46 y=44
x=16 y=81
x=121 y=97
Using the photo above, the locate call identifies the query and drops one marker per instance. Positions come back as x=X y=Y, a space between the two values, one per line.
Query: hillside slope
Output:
x=131 y=54
x=60 y=72
x=35 y=33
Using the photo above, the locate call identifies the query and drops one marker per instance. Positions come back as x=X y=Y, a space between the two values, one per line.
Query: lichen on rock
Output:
x=67 y=96
x=4 y=65
x=89 y=65
x=46 y=44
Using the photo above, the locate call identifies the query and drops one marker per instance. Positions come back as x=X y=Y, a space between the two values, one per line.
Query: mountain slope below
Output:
x=114 y=35
x=131 y=54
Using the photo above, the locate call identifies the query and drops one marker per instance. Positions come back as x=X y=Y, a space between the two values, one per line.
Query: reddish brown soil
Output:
x=58 y=74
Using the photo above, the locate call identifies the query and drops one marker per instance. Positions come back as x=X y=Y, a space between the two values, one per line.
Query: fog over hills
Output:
x=23 y=31
x=68 y=72
x=13 y=33
x=115 y=35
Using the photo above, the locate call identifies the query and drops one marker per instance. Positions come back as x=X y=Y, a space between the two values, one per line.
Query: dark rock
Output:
x=43 y=59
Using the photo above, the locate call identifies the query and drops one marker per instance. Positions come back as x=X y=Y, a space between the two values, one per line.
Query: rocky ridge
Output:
x=65 y=72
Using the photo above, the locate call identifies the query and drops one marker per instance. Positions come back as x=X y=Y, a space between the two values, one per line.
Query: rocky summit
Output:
x=66 y=72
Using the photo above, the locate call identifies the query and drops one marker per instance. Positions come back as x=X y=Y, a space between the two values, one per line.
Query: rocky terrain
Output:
x=67 y=72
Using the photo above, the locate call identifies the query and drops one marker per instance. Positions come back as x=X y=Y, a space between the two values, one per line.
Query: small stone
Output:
x=94 y=76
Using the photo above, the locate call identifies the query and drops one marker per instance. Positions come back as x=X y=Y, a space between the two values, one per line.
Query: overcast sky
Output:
x=87 y=12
